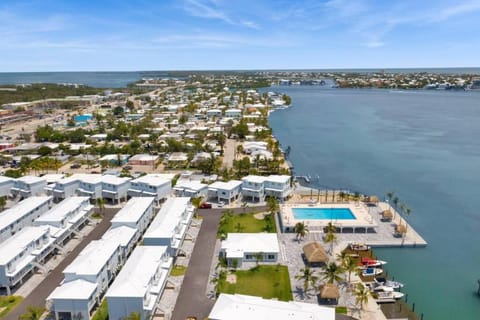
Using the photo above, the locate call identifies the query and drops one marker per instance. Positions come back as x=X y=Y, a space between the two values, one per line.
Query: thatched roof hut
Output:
x=387 y=215
x=315 y=253
x=329 y=291
x=400 y=228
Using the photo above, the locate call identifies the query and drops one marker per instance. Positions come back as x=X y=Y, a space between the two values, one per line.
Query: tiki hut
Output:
x=373 y=199
x=315 y=254
x=329 y=292
x=387 y=215
x=400 y=230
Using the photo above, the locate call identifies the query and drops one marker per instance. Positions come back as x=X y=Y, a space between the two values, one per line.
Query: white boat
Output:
x=371 y=272
x=369 y=263
x=388 y=297
x=389 y=283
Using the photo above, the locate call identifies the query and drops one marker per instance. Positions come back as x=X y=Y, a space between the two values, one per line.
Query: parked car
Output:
x=127 y=167
x=75 y=166
x=221 y=204
x=206 y=205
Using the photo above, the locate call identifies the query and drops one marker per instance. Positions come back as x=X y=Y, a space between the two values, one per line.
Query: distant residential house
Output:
x=214 y=113
x=200 y=156
x=246 y=247
x=143 y=159
x=252 y=307
x=115 y=159
x=253 y=146
x=225 y=191
x=257 y=187
x=99 y=137
x=177 y=159
x=140 y=284
x=233 y=113
x=90 y=186
x=193 y=189
x=28 y=186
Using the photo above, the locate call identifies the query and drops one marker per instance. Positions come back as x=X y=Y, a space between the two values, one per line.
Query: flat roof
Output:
x=73 y=290
x=21 y=209
x=278 y=178
x=133 y=210
x=230 y=185
x=135 y=277
x=4 y=179
x=192 y=185
x=143 y=157
x=31 y=179
x=169 y=216
x=92 y=258
x=61 y=210
x=153 y=179
x=16 y=244
x=238 y=243
x=239 y=307
x=53 y=177
x=254 y=179
x=122 y=234
x=91 y=178
x=111 y=179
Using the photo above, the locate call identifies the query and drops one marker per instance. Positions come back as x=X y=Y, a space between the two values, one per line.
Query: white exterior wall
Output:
x=91 y=190
x=76 y=307
x=65 y=190
x=25 y=190
x=5 y=185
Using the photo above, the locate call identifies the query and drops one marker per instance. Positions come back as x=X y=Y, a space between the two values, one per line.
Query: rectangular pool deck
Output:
x=367 y=227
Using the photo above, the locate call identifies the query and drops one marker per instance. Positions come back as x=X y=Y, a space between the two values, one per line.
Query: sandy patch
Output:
x=232 y=278
x=260 y=215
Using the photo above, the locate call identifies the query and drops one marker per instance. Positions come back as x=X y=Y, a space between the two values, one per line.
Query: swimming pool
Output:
x=323 y=214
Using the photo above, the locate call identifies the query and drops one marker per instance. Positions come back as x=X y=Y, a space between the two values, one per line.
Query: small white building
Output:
x=236 y=306
x=22 y=215
x=73 y=300
x=225 y=191
x=170 y=226
x=66 y=218
x=21 y=253
x=246 y=247
x=64 y=188
x=233 y=113
x=6 y=185
x=193 y=189
x=137 y=213
x=252 y=146
x=28 y=186
x=140 y=284
x=214 y=113
x=115 y=188
x=151 y=185
x=278 y=186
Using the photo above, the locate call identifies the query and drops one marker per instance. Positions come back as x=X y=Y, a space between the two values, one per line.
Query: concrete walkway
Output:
x=38 y=296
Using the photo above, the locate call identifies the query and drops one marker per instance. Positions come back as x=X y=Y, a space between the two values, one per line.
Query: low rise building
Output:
x=28 y=186
x=137 y=213
x=193 y=189
x=250 y=247
x=170 y=226
x=6 y=185
x=140 y=284
x=90 y=186
x=125 y=236
x=143 y=160
x=151 y=185
x=115 y=188
x=225 y=191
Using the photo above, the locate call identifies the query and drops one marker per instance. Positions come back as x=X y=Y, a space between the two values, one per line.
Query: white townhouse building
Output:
x=21 y=253
x=6 y=185
x=28 y=186
x=245 y=247
x=193 y=189
x=253 y=146
x=125 y=236
x=66 y=218
x=278 y=186
x=253 y=188
x=151 y=185
x=90 y=186
x=214 y=113
x=137 y=213
x=170 y=226
x=233 y=113
x=64 y=188
x=225 y=191
x=22 y=215
x=251 y=307
x=115 y=188
x=73 y=300
x=98 y=263
x=140 y=284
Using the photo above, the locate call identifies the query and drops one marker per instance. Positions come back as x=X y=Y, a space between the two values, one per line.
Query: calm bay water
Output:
x=424 y=146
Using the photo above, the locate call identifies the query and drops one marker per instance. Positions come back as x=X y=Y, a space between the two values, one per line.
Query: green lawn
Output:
x=7 y=303
x=178 y=271
x=245 y=223
x=264 y=281
x=102 y=311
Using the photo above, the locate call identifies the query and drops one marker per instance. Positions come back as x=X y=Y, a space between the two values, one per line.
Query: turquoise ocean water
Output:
x=424 y=146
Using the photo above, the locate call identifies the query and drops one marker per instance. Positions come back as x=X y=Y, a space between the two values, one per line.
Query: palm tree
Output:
x=390 y=195
x=330 y=228
x=33 y=313
x=133 y=316
x=100 y=204
x=301 y=230
x=272 y=205
x=361 y=295
x=350 y=265
x=332 y=273
x=308 y=277
x=239 y=150
x=330 y=238
x=407 y=211
x=3 y=202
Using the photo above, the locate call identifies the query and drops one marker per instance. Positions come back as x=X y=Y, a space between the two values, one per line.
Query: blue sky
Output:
x=55 y=35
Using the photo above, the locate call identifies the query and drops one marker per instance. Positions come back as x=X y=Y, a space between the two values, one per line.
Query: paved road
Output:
x=38 y=296
x=229 y=153
x=192 y=299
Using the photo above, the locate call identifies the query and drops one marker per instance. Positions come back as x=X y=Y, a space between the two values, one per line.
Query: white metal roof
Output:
x=133 y=210
x=21 y=209
x=153 y=179
x=238 y=243
x=60 y=211
x=239 y=307
x=230 y=185
x=136 y=274
x=278 y=178
x=123 y=235
x=143 y=157
x=168 y=218
x=5 y=179
x=92 y=258
x=73 y=290
x=31 y=179
x=253 y=179
x=110 y=179
x=191 y=185
x=12 y=246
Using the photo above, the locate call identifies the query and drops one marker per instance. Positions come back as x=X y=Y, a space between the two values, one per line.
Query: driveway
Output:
x=192 y=299
x=38 y=296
